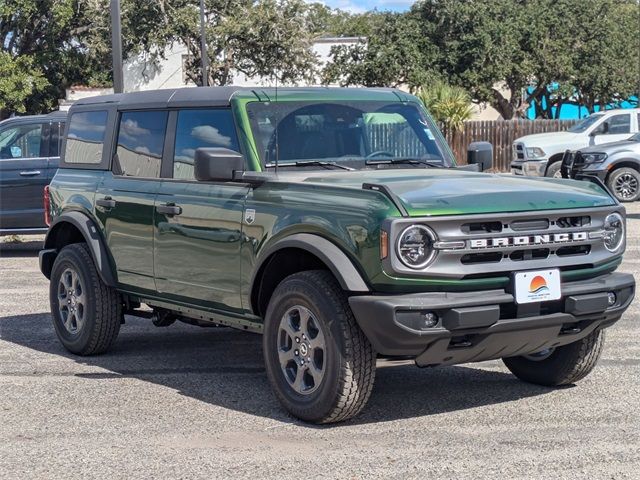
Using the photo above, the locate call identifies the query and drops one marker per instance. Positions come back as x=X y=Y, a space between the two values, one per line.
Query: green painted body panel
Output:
x=206 y=257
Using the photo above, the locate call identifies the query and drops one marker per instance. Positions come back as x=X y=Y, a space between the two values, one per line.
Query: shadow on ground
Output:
x=224 y=367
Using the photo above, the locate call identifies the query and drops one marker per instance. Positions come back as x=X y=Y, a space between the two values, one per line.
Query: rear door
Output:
x=125 y=198
x=23 y=175
x=198 y=225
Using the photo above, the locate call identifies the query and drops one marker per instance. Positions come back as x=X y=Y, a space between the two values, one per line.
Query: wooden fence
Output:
x=501 y=134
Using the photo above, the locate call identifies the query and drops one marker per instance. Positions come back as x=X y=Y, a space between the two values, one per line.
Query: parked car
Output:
x=334 y=222
x=29 y=156
x=616 y=164
x=541 y=154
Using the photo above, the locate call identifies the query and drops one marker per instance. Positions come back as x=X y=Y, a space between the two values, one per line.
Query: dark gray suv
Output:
x=29 y=156
x=616 y=164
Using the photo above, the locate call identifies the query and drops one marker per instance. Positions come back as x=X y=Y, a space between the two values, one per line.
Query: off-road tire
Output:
x=564 y=366
x=103 y=310
x=554 y=169
x=613 y=178
x=350 y=359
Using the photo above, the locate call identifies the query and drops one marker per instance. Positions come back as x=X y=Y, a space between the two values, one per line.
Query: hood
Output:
x=455 y=192
x=551 y=138
x=613 y=147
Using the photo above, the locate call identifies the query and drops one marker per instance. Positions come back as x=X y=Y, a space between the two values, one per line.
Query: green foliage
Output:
x=19 y=79
x=394 y=55
x=449 y=105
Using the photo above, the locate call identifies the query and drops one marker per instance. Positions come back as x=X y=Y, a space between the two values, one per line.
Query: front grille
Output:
x=482 y=246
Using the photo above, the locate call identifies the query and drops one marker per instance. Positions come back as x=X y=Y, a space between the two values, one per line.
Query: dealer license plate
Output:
x=537 y=286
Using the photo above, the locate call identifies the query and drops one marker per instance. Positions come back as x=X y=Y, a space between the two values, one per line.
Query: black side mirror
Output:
x=602 y=129
x=481 y=154
x=217 y=164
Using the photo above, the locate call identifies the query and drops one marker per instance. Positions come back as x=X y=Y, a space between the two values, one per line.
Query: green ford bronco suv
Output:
x=336 y=223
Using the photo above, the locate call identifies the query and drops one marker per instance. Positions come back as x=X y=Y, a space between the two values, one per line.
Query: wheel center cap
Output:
x=304 y=349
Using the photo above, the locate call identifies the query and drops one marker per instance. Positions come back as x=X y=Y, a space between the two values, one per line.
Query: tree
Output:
x=395 y=54
x=19 y=79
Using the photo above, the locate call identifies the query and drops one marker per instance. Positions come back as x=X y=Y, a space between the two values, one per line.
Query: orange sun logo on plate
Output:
x=538 y=285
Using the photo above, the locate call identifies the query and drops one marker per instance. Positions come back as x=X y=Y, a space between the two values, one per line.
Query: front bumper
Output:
x=483 y=325
x=530 y=168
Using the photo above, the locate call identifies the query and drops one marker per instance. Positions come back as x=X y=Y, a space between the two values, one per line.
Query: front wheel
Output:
x=319 y=363
x=561 y=365
x=554 y=170
x=624 y=183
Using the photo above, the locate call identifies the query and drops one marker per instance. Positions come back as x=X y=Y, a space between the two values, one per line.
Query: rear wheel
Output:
x=86 y=312
x=561 y=365
x=624 y=183
x=319 y=363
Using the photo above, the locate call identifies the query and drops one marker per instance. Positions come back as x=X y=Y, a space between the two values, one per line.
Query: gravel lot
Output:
x=185 y=402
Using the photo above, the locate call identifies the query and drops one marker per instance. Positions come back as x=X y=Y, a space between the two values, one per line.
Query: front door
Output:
x=125 y=198
x=198 y=225
x=23 y=176
x=618 y=127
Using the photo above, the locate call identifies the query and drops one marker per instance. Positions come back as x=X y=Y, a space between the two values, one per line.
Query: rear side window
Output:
x=85 y=139
x=201 y=129
x=140 y=144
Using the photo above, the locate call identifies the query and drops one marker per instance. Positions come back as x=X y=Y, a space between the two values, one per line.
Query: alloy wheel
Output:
x=626 y=186
x=71 y=301
x=301 y=350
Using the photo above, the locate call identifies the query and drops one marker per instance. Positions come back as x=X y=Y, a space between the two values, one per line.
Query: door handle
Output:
x=106 y=202
x=169 y=209
x=30 y=173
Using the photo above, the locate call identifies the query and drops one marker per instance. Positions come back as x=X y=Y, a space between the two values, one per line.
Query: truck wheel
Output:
x=319 y=363
x=554 y=170
x=559 y=366
x=86 y=312
x=624 y=183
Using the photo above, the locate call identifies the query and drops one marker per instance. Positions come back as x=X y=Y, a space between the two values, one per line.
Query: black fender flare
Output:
x=624 y=157
x=328 y=252
x=93 y=238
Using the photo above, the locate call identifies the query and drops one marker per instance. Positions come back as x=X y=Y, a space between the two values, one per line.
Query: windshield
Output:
x=353 y=134
x=586 y=123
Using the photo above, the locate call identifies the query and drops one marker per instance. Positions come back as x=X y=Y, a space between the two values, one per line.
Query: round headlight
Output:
x=415 y=246
x=613 y=232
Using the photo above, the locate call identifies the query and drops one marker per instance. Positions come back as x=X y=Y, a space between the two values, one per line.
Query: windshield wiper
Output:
x=319 y=163
x=408 y=161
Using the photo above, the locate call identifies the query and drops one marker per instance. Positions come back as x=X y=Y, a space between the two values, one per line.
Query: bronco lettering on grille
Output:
x=528 y=240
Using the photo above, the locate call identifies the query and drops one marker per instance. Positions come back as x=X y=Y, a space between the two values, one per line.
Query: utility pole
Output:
x=203 y=48
x=116 y=47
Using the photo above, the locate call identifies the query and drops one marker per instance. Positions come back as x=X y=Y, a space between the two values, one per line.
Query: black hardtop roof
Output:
x=199 y=96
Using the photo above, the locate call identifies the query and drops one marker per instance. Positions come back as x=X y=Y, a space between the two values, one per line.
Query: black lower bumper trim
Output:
x=476 y=326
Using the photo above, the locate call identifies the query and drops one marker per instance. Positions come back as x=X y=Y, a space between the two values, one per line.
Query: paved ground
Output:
x=184 y=402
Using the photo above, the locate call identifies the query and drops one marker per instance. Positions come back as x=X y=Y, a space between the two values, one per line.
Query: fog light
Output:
x=430 y=320
x=611 y=299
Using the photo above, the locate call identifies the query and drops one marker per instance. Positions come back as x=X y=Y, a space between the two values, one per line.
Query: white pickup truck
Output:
x=541 y=154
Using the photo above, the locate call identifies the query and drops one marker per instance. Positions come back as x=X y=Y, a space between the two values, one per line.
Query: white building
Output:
x=141 y=73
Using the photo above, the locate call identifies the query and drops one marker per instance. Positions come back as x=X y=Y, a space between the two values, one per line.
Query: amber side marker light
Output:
x=47 y=207
x=384 y=244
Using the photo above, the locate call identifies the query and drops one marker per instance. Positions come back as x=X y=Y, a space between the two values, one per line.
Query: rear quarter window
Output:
x=85 y=138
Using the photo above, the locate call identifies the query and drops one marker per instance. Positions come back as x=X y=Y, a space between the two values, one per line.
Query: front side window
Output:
x=140 y=144
x=585 y=124
x=23 y=141
x=85 y=139
x=201 y=129
x=620 y=124
x=356 y=134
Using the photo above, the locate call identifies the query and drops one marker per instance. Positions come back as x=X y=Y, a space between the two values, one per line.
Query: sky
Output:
x=359 y=6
